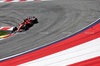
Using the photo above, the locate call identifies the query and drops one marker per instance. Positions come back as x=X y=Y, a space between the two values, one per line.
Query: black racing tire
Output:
x=27 y=27
x=34 y=21
x=14 y=29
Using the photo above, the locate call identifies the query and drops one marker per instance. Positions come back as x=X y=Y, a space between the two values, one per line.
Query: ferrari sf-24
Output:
x=26 y=24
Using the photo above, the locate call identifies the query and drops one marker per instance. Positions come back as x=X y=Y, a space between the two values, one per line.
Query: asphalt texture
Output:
x=57 y=19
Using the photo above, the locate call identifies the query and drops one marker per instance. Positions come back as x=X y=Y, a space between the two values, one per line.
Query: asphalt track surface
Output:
x=57 y=19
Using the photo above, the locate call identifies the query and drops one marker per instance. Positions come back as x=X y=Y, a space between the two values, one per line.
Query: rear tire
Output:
x=35 y=21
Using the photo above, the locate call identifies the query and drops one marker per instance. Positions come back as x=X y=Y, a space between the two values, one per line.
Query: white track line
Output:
x=11 y=28
x=1 y=27
x=79 y=53
x=15 y=1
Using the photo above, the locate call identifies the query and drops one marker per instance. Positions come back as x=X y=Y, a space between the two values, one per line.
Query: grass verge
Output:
x=3 y=32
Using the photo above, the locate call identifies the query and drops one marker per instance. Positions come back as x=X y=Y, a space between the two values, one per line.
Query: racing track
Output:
x=56 y=20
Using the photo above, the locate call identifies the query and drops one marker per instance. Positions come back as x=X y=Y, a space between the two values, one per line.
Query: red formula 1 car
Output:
x=26 y=24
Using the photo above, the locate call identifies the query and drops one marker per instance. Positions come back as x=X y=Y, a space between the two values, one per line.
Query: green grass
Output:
x=3 y=32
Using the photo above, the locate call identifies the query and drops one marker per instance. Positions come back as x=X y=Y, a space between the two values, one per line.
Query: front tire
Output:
x=14 y=29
